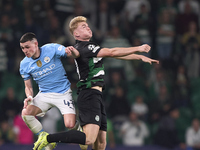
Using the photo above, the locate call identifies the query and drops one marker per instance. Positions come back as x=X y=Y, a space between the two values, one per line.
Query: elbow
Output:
x=107 y=52
x=112 y=53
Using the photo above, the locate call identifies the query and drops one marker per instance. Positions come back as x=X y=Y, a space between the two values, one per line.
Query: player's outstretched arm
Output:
x=138 y=57
x=148 y=60
x=122 y=51
x=72 y=52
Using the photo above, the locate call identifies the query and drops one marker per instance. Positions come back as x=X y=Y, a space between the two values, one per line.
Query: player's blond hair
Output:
x=74 y=23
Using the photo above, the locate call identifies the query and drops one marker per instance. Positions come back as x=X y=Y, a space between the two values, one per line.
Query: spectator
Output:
x=116 y=79
x=104 y=20
x=140 y=108
x=152 y=74
x=143 y=25
x=164 y=96
x=192 y=35
x=156 y=84
x=132 y=8
x=165 y=36
x=6 y=38
x=38 y=10
x=54 y=28
x=24 y=135
x=134 y=131
x=10 y=106
x=184 y=18
x=31 y=26
x=193 y=3
x=64 y=8
x=119 y=106
x=166 y=135
x=115 y=39
x=191 y=43
x=170 y=7
x=181 y=87
x=7 y=134
x=192 y=135
x=3 y=59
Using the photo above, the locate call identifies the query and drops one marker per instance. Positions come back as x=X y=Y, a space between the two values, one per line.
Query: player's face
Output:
x=83 y=31
x=29 y=48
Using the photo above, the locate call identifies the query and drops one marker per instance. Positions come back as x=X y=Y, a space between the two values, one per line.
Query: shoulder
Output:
x=50 y=45
x=189 y=130
x=25 y=62
x=86 y=45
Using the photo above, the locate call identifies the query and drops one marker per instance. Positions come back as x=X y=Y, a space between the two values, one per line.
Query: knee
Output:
x=90 y=141
x=24 y=112
x=69 y=124
x=102 y=145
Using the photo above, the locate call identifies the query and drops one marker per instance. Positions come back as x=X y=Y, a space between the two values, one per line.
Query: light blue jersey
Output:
x=47 y=70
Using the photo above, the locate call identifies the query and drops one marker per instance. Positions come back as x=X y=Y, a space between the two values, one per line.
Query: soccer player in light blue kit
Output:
x=44 y=65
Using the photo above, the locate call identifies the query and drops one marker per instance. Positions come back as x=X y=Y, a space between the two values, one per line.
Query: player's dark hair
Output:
x=29 y=36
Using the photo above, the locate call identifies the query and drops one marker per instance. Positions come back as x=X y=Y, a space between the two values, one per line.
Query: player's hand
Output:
x=27 y=101
x=72 y=52
x=68 y=50
x=144 y=48
x=149 y=60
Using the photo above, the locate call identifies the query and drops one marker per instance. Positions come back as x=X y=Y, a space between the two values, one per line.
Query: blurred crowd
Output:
x=146 y=104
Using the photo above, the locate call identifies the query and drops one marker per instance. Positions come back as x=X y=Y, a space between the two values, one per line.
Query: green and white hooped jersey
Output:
x=90 y=68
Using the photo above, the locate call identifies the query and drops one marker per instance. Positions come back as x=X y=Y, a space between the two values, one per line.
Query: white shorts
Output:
x=64 y=102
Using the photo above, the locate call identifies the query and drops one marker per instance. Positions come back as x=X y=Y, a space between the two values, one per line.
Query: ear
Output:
x=36 y=43
x=76 y=34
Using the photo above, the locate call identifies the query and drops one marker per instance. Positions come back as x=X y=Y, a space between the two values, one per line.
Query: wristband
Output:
x=30 y=97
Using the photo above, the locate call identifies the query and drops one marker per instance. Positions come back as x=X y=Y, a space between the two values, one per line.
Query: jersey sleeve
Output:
x=60 y=50
x=90 y=50
x=24 y=73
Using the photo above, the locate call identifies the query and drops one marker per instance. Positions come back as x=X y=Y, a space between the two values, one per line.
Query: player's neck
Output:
x=37 y=54
x=83 y=39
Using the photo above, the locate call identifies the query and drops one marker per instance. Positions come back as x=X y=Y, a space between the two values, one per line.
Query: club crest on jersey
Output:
x=39 y=63
x=60 y=48
x=97 y=118
x=46 y=59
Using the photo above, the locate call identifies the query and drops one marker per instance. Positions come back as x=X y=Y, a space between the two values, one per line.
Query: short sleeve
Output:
x=24 y=74
x=90 y=50
x=60 y=50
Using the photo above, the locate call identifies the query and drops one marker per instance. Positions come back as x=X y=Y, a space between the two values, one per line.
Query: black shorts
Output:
x=91 y=108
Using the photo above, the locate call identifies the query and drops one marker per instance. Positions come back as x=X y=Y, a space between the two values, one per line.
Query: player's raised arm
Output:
x=122 y=51
x=72 y=52
x=138 y=57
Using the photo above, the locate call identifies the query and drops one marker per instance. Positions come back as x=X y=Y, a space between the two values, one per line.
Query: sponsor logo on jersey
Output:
x=46 y=59
x=97 y=118
x=44 y=72
x=39 y=63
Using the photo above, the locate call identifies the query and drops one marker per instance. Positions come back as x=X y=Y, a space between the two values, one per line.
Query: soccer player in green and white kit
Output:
x=90 y=69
